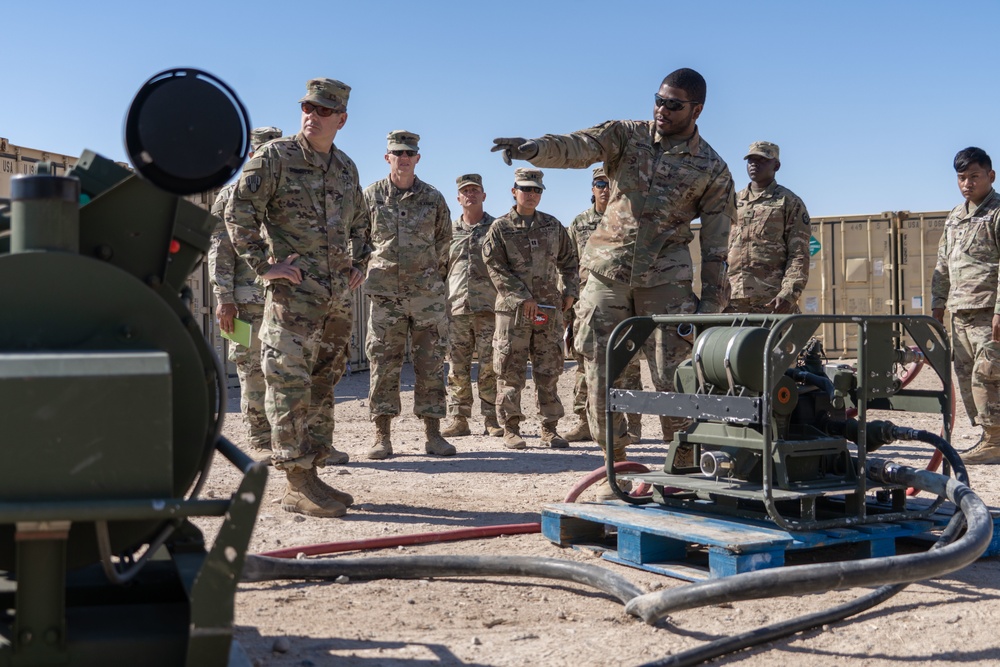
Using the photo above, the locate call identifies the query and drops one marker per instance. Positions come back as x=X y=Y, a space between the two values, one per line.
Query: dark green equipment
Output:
x=772 y=433
x=112 y=401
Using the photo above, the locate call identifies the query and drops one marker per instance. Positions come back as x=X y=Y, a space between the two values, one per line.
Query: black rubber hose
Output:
x=949 y=453
x=731 y=644
x=804 y=579
x=263 y=568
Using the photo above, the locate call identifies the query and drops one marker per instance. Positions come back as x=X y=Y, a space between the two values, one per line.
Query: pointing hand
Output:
x=515 y=148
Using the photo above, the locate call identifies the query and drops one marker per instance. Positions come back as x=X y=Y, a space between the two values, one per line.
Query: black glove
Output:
x=515 y=148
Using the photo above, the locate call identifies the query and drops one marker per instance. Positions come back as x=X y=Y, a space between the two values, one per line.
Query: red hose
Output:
x=450 y=535
x=404 y=540
x=599 y=474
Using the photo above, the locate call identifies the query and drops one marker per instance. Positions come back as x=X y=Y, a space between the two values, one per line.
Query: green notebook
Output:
x=241 y=332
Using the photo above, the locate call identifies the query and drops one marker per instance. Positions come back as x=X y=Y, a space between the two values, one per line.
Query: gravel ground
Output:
x=520 y=621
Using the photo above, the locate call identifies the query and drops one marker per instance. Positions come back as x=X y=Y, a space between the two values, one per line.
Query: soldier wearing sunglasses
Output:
x=663 y=175
x=580 y=230
x=407 y=278
x=527 y=253
x=298 y=219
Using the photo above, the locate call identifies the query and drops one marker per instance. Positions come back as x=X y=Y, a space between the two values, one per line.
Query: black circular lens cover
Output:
x=186 y=131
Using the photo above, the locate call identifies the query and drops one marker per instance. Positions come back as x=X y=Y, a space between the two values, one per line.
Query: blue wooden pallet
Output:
x=659 y=539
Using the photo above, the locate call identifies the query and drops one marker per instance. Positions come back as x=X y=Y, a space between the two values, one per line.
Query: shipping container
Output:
x=19 y=160
x=878 y=264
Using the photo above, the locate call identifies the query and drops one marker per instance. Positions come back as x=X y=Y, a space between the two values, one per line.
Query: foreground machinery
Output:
x=772 y=432
x=112 y=401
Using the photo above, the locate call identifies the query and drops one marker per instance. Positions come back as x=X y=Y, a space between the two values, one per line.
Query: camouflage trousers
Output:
x=630 y=379
x=252 y=386
x=515 y=342
x=754 y=305
x=977 y=368
x=304 y=341
x=471 y=333
x=425 y=318
x=603 y=304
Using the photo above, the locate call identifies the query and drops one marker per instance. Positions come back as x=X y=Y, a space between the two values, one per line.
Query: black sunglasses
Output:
x=600 y=185
x=406 y=153
x=671 y=103
x=324 y=112
x=529 y=188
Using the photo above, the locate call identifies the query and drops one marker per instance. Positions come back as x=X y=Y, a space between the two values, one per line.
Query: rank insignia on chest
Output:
x=533 y=242
x=253 y=182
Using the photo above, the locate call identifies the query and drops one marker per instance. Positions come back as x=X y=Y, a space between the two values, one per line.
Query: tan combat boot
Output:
x=459 y=426
x=987 y=450
x=435 y=443
x=551 y=437
x=512 y=434
x=604 y=491
x=382 y=449
x=322 y=487
x=337 y=457
x=261 y=452
x=580 y=432
x=493 y=427
x=304 y=496
x=635 y=428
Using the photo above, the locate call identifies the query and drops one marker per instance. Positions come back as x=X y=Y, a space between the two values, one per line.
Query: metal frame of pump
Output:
x=877 y=388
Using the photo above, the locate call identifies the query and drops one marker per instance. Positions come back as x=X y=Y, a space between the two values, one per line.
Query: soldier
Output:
x=527 y=252
x=411 y=232
x=299 y=221
x=663 y=175
x=470 y=299
x=965 y=281
x=580 y=230
x=238 y=292
x=769 y=243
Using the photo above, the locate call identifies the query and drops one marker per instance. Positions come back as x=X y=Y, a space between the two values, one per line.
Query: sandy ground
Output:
x=480 y=621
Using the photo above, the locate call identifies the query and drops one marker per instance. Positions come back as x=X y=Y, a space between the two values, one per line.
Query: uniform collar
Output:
x=766 y=193
x=312 y=157
x=691 y=145
x=991 y=200
x=414 y=189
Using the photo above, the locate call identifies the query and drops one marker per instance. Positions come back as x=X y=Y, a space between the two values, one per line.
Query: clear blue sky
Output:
x=869 y=101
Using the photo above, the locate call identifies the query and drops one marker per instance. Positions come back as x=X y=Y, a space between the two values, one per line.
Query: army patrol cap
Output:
x=261 y=135
x=469 y=179
x=528 y=177
x=328 y=93
x=402 y=140
x=765 y=149
x=599 y=174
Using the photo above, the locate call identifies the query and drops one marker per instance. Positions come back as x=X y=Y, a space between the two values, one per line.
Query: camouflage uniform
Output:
x=965 y=281
x=638 y=256
x=526 y=259
x=291 y=199
x=580 y=230
x=471 y=295
x=411 y=232
x=235 y=283
x=225 y=273
x=768 y=249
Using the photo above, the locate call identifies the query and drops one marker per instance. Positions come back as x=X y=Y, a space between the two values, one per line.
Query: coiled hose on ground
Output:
x=947 y=555
x=893 y=573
